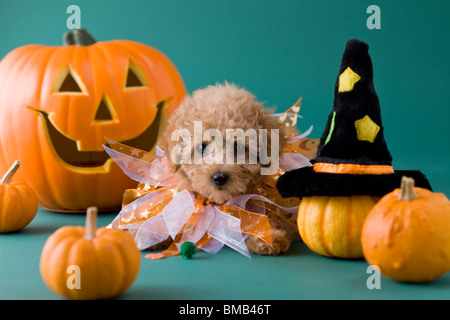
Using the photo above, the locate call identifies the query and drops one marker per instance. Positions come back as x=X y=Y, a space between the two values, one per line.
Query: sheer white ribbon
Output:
x=223 y=228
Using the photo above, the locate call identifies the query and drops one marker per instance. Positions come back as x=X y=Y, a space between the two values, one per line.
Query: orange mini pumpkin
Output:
x=18 y=203
x=88 y=263
x=407 y=234
x=57 y=105
x=331 y=225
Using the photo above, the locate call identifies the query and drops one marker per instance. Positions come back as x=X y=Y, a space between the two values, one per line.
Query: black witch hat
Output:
x=352 y=158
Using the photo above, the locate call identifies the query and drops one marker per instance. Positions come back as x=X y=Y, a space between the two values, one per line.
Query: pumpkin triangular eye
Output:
x=69 y=84
x=135 y=77
x=133 y=80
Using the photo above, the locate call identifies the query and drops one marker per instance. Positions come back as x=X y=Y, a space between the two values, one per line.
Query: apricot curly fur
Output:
x=221 y=107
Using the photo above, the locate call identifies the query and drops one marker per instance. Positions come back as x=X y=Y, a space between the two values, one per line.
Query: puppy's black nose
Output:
x=219 y=178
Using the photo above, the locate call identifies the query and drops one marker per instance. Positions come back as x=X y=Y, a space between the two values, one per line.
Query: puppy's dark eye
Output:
x=239 y=149
x=201 y=147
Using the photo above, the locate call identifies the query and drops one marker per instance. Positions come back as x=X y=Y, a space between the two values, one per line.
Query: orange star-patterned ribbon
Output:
x=150 y=210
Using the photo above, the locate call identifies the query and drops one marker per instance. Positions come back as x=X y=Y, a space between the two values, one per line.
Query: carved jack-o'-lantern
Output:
x=57 y=105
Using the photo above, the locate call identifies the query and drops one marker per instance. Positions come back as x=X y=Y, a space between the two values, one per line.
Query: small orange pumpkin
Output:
x=18 y=202
x=331 y=226
x=407 y=234
x=88 y=263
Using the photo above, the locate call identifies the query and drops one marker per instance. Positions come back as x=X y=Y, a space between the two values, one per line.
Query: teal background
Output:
x=278 y=50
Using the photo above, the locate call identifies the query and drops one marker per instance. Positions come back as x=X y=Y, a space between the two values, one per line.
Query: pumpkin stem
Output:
x=407 y=189
x=10 y=173
x=91 y=223
x=78 y=37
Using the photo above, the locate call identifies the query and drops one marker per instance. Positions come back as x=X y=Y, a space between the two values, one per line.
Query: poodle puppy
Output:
x=220 y=112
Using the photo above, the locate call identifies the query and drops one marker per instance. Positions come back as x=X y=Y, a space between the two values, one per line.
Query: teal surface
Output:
x=279 y=50
x=299 y=274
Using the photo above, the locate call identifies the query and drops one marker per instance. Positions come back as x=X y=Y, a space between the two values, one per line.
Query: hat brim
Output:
x=305 y=182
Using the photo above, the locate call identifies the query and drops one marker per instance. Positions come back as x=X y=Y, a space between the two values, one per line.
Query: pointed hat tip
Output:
x=356 y=56
x=355 y=45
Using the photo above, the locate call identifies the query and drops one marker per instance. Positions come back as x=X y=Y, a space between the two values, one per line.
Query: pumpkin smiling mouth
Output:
x=66 y=149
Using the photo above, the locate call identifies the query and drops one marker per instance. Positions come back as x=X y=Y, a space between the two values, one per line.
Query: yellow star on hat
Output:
x=366 y=129
x=347 y=80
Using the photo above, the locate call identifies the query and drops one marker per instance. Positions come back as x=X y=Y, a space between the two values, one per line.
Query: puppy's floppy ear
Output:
x=167 y=145
x=270 y=122
x=176 y=140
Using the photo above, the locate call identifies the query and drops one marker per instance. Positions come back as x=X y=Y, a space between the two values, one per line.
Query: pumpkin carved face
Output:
x=57 y=105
